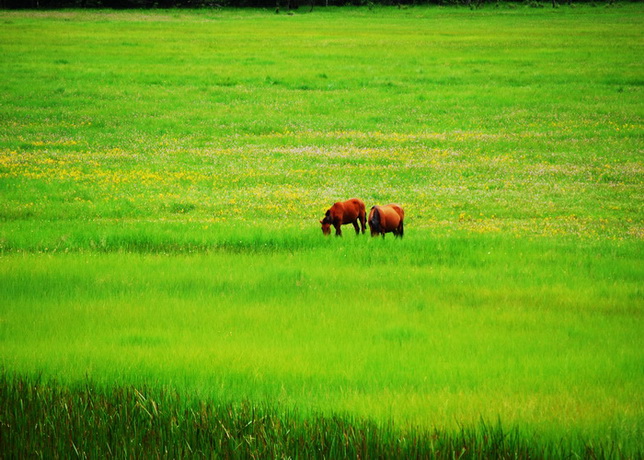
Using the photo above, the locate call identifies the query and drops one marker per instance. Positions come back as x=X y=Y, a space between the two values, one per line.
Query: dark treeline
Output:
x=286 y=4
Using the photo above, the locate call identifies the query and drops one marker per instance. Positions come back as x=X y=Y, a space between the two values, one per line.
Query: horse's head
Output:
x=374 y=221
x=326 y=223
x=326 y=227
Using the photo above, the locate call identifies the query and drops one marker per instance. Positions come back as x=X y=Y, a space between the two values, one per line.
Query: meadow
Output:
x=162 y=269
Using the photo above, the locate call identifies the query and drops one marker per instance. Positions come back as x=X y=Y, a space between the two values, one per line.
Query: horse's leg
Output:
x=338 y=229
x=355 y=225
x=363 y=221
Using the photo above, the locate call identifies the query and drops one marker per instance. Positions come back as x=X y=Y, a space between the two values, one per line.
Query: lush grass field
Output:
x=161 y=179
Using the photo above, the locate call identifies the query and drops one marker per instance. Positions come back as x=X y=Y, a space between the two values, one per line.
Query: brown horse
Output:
x=385 y=219
x=344 y=212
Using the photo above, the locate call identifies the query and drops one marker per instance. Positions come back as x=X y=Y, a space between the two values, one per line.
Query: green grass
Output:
x=126 y=422
x=259 y=117
x=426 y=332
x=162 y=175
x=129 y=422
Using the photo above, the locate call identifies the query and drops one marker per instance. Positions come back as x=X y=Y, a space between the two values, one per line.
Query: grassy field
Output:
x=162 y=175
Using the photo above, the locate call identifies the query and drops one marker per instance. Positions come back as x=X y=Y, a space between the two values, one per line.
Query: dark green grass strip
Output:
x=48 y=420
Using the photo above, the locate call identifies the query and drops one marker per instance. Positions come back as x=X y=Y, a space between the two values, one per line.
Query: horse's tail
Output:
x=402 y=228
x=374 y=219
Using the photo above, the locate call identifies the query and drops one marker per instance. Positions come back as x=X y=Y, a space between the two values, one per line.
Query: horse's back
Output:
x=393 y=214
x=347 y=211
x=352 y=209
x=399 y=210
x=356 y=204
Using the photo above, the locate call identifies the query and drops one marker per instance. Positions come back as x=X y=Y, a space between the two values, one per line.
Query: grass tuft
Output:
x=46 y=419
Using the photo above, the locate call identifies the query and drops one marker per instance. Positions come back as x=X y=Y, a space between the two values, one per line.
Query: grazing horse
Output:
x=385 y=219
x=345 y=212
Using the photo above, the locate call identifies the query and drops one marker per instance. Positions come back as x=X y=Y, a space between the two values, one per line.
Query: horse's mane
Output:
x=327 y=218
